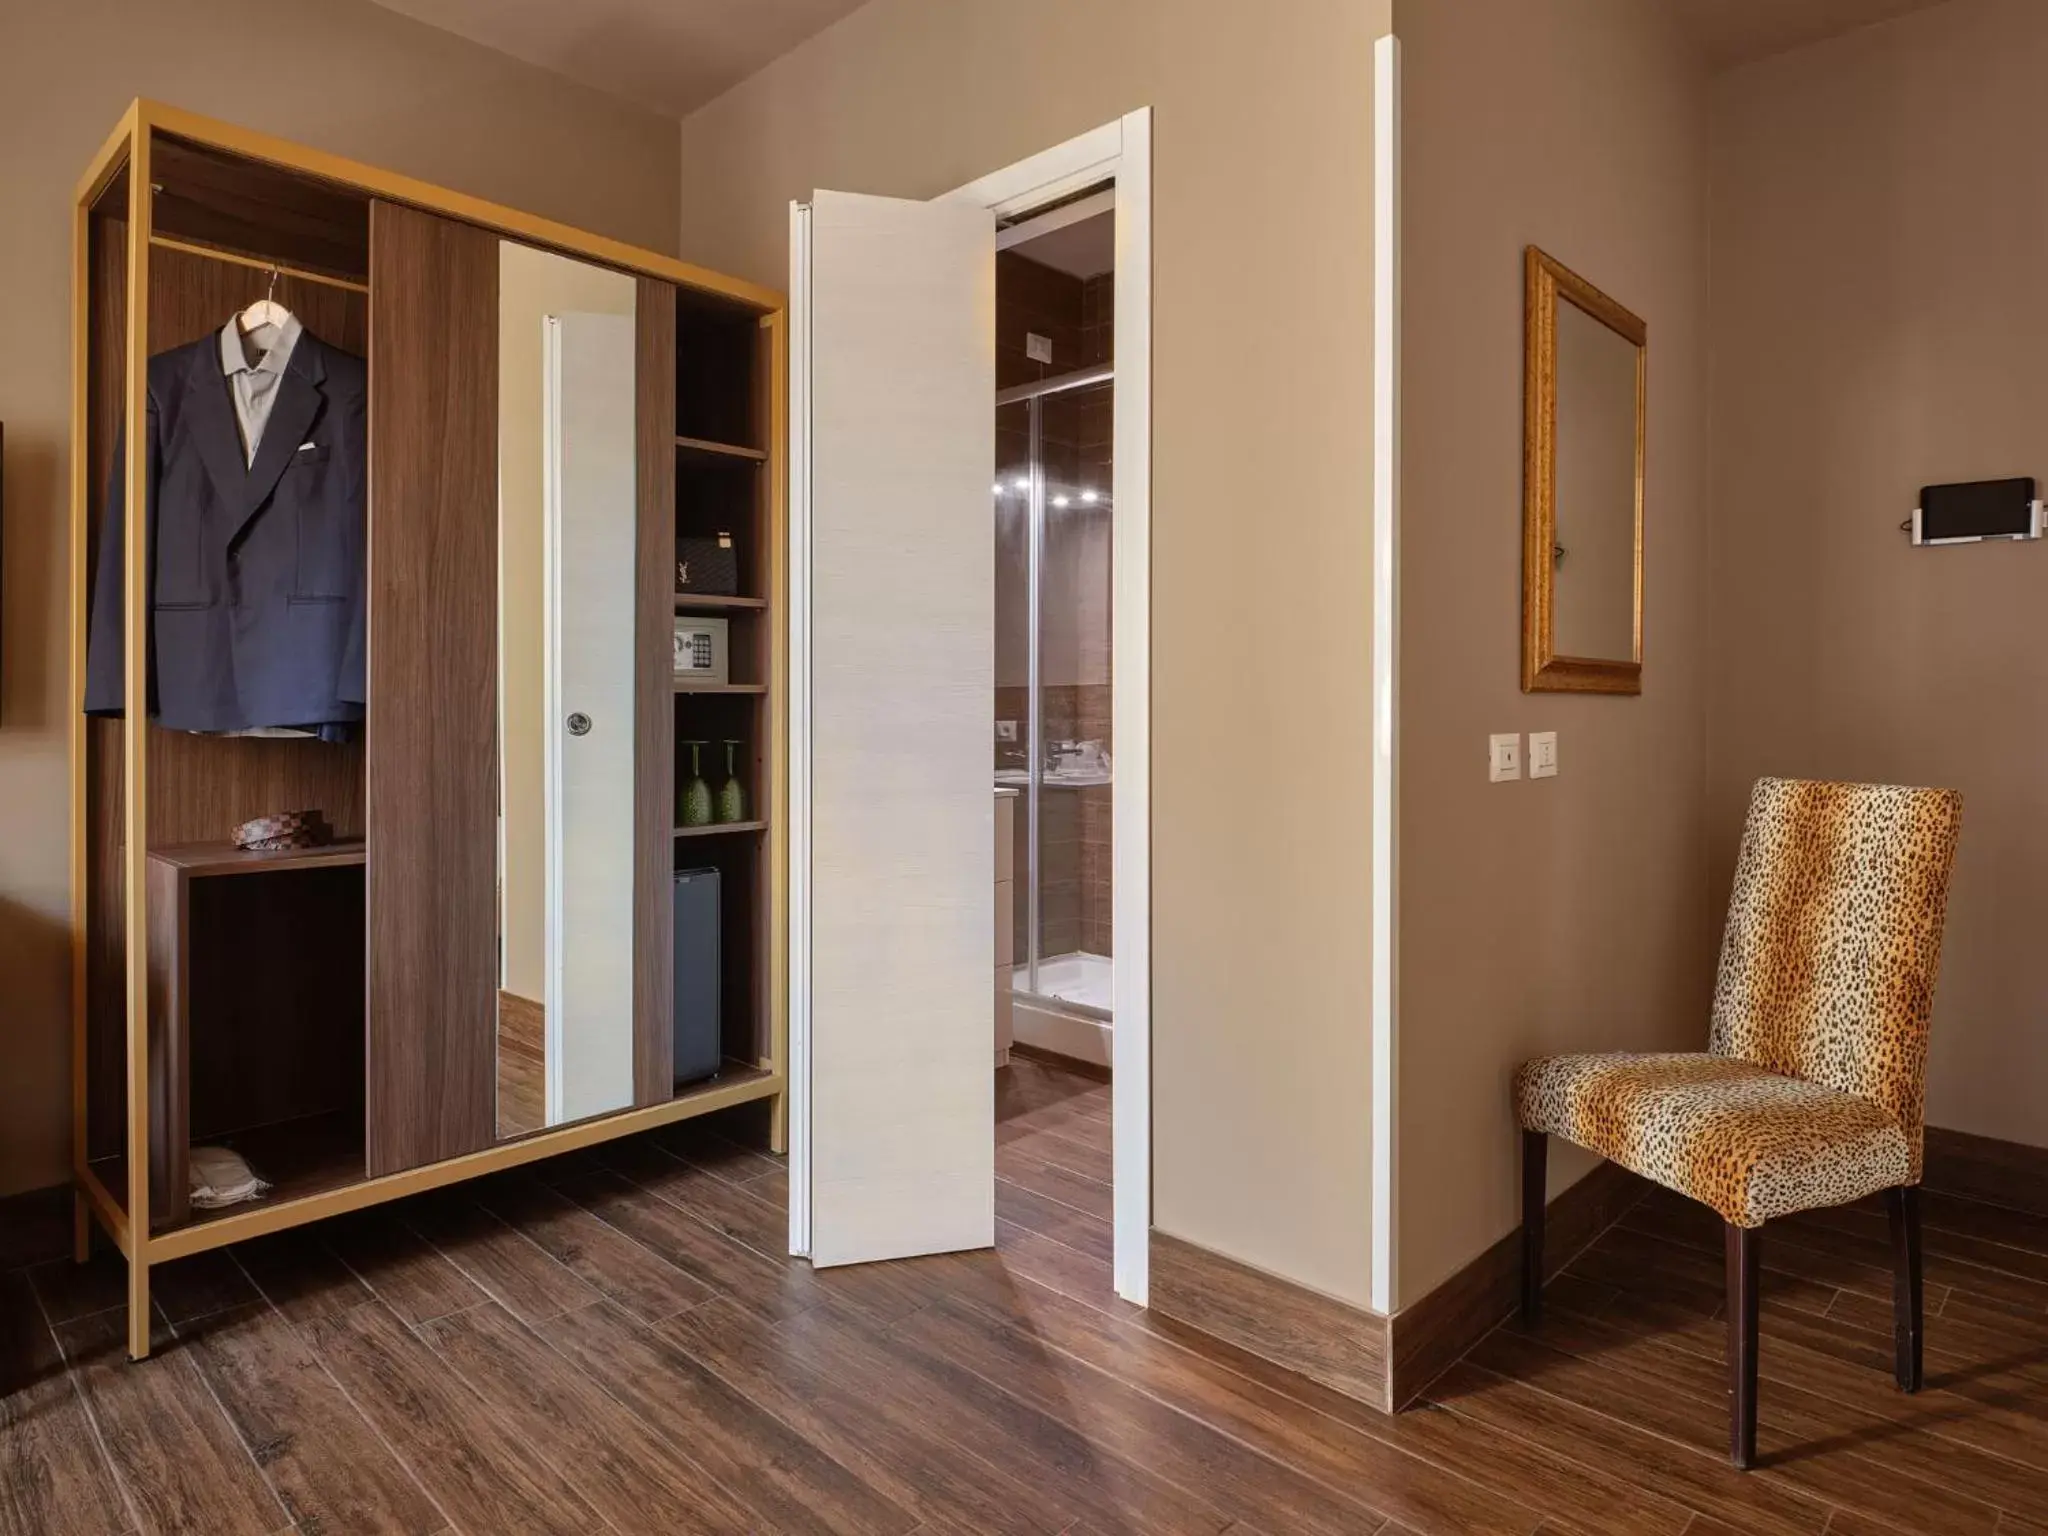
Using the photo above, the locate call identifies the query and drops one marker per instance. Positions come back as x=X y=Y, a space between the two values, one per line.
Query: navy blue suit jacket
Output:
x=258 y=598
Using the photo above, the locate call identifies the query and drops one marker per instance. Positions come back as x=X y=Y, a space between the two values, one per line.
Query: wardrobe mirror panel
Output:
x=566 y=583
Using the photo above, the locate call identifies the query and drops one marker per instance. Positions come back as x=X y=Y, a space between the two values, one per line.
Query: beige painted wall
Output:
x=341 y=75
x=1880 y=312
x=1262 y=482
x=1571 y=913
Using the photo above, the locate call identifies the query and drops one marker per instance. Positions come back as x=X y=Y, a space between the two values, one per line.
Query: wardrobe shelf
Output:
x=704 y=445
x=723 y=829
x=227 y=859
x=298 y=1158
x=317 y=1163
x=688 y=602
x=730 y=688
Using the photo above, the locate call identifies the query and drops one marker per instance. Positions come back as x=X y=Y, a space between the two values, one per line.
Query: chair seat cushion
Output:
x=1749 y=1143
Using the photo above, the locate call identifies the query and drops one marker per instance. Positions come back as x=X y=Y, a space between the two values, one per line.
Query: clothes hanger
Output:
x=265 y=311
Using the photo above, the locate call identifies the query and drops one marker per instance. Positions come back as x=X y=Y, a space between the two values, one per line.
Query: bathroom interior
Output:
x=1054 y=756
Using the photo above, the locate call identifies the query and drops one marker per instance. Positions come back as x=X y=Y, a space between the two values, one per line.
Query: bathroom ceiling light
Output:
x=1020 y=484
x=1059 y=501
x=999 y=487
x=1089 y=498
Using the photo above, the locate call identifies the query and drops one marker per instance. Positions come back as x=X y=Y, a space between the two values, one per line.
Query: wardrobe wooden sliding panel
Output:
x=654 y=796
x=433 y=730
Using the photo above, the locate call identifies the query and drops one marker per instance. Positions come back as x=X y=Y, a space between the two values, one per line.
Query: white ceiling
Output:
x=1734 y=32
x=671 y=55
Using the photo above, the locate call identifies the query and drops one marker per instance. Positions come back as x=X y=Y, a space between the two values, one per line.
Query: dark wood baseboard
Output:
x=1429 y=1337
x=2005 y=1173
x=35 y=1226
x=1071 y=1064
x=1341 y=1346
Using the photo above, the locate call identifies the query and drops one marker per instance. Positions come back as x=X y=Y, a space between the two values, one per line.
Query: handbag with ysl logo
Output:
x=708 y=567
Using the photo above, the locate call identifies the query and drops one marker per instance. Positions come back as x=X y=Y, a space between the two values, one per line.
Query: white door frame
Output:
x=798 y=837
x=1121 y=151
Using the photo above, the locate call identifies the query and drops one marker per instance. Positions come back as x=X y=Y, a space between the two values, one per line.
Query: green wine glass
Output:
x=697 y=807
x=732 y=795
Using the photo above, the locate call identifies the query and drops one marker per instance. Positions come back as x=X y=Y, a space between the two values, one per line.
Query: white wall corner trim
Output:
x=1386 y=555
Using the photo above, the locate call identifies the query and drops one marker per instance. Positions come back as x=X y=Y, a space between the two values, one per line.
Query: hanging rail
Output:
x=277 y=268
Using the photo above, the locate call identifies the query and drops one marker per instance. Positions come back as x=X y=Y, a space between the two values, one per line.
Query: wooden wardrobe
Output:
x=338 y=1014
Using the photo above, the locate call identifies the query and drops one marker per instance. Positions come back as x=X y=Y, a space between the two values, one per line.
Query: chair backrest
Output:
x=1834 y=937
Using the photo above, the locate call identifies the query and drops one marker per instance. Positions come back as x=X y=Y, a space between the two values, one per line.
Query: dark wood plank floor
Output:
x=613 y=1342
x=522 y=1065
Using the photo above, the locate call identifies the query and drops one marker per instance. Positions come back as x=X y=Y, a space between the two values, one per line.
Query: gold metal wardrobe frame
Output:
x=129 y=146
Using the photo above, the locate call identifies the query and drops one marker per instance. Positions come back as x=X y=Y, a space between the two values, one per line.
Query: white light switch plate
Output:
x=1543 y=754
x=1038 y=348
x=1504 y=758
x=1006 y=730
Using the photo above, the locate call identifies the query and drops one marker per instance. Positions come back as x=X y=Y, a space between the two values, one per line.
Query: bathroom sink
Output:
x=1069 y=778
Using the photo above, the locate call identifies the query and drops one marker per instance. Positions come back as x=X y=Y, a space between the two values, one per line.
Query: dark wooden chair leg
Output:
x=1535 y=1153
x=1744 y=1244
x=1903 y=1205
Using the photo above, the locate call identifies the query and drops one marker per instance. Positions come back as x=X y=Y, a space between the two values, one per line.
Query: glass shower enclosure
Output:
x=1052 y=707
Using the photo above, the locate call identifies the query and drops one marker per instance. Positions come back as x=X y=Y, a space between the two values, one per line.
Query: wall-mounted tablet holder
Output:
x=1975 y=511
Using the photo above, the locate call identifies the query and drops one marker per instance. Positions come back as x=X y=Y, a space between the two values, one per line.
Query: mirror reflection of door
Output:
x=1594 y=555
x=566 y=568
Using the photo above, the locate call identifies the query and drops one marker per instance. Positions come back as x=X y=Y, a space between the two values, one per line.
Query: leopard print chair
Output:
x=1810 y=1093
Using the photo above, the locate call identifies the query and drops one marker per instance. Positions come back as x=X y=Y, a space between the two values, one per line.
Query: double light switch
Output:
x=1504 y=756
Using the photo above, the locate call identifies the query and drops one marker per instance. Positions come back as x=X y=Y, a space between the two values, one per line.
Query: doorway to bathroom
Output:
x=1054 y=733
x=1071 y=497
x=893 y=1122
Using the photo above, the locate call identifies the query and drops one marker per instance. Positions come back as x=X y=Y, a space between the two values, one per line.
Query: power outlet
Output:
x=1504 y=758
x=1543 y=754
x=1006 y=730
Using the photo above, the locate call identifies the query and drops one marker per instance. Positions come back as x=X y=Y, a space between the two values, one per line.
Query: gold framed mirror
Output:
x=1584 y=408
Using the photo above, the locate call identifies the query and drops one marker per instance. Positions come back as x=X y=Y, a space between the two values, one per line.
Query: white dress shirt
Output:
x=254 y=383
x=254 y=387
